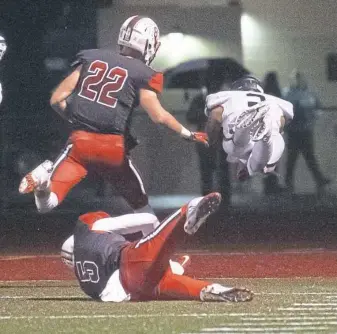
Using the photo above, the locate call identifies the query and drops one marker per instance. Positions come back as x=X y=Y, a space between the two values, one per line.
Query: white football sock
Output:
x=127 y=224
x=45 y=201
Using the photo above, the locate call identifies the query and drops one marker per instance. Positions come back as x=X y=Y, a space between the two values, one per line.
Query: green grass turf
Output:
x=60 y=307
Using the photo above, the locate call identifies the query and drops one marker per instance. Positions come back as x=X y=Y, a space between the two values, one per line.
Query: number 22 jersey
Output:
x=108 y=90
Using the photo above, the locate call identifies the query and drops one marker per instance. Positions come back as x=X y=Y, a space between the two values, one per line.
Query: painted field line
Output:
x=118 y=316
x=297 y=278
x=245 y=331
x=314 y=304
x=262 y=329
x=333 y=294
x=197 y=252
x=85 y=297
x=38 y=281
x=306 y=317
x=279 y=331
x=307 y=308
x=25 y=257
x=44 y=297
x=204 y=278
x=273 y=323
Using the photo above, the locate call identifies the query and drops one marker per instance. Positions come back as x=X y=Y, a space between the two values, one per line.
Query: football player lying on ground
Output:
x=98 y=98
x=109 y=268
x=126 y=225
x=252 y=124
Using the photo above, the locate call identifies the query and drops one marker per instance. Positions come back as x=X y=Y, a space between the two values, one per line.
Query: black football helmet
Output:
x=247 y=82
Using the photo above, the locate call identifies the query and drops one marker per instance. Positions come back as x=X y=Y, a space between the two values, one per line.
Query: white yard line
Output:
x=279 y=318
x=326 y=294
x=24 y=257
x=306 y=308
x=245 y=331
x=314 y=304
x=333 y=294
x=43 y=297
x=118 y=316
x=262 y=329
x=197 y=252
x=273 y=323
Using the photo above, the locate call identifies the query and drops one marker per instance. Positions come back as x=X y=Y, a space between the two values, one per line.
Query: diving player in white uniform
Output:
x=252 y=124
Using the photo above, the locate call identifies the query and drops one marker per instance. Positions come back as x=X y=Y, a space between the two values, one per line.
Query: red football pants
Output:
x=103 y=154
x=144 y=264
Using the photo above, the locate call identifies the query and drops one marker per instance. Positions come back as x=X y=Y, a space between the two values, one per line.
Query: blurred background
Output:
x=206 y=44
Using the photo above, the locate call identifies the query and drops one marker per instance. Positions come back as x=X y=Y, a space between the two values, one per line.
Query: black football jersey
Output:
x=108 y=90
x=96 y=257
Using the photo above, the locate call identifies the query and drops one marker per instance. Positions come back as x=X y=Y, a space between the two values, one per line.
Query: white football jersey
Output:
x=236 y=102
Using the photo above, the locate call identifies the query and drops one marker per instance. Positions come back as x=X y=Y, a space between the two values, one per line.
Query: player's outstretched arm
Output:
x=213 y=125
x=150 y=103
x=63 y=91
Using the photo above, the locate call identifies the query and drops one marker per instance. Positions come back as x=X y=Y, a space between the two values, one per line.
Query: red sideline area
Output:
x=316 y=263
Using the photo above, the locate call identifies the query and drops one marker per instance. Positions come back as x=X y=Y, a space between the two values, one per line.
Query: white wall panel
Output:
x=280 y=35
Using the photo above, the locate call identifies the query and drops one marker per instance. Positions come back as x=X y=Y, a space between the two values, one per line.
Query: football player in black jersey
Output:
x=98 y=98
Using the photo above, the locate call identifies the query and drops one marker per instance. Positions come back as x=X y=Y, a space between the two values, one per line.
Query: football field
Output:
x=305 y=305
x=39 y=296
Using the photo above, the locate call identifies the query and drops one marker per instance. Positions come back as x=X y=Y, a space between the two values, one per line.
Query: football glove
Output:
x=199 y=137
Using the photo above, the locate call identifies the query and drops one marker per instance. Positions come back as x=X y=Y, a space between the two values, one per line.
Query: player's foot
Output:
x=178 y=267
x=251 y=116
x=219 y=293
x=37 y=179
x=199 y=209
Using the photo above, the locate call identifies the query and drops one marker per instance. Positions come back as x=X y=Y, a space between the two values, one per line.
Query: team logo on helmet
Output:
x=127 y=34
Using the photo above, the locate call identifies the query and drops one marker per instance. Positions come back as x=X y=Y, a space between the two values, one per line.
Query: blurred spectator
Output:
x=301 y=129
x=213 y=165
x=271 y=86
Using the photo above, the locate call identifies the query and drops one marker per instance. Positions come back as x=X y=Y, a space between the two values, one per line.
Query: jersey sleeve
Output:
x=216 y=100
x=82 y=57
x=151 y=80
x=156 y=82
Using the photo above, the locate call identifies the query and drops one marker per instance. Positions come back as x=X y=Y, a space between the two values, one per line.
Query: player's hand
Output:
x=199 y=137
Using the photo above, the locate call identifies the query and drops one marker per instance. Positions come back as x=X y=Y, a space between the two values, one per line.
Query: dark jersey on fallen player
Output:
x=108 y=90
x=96 y=257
